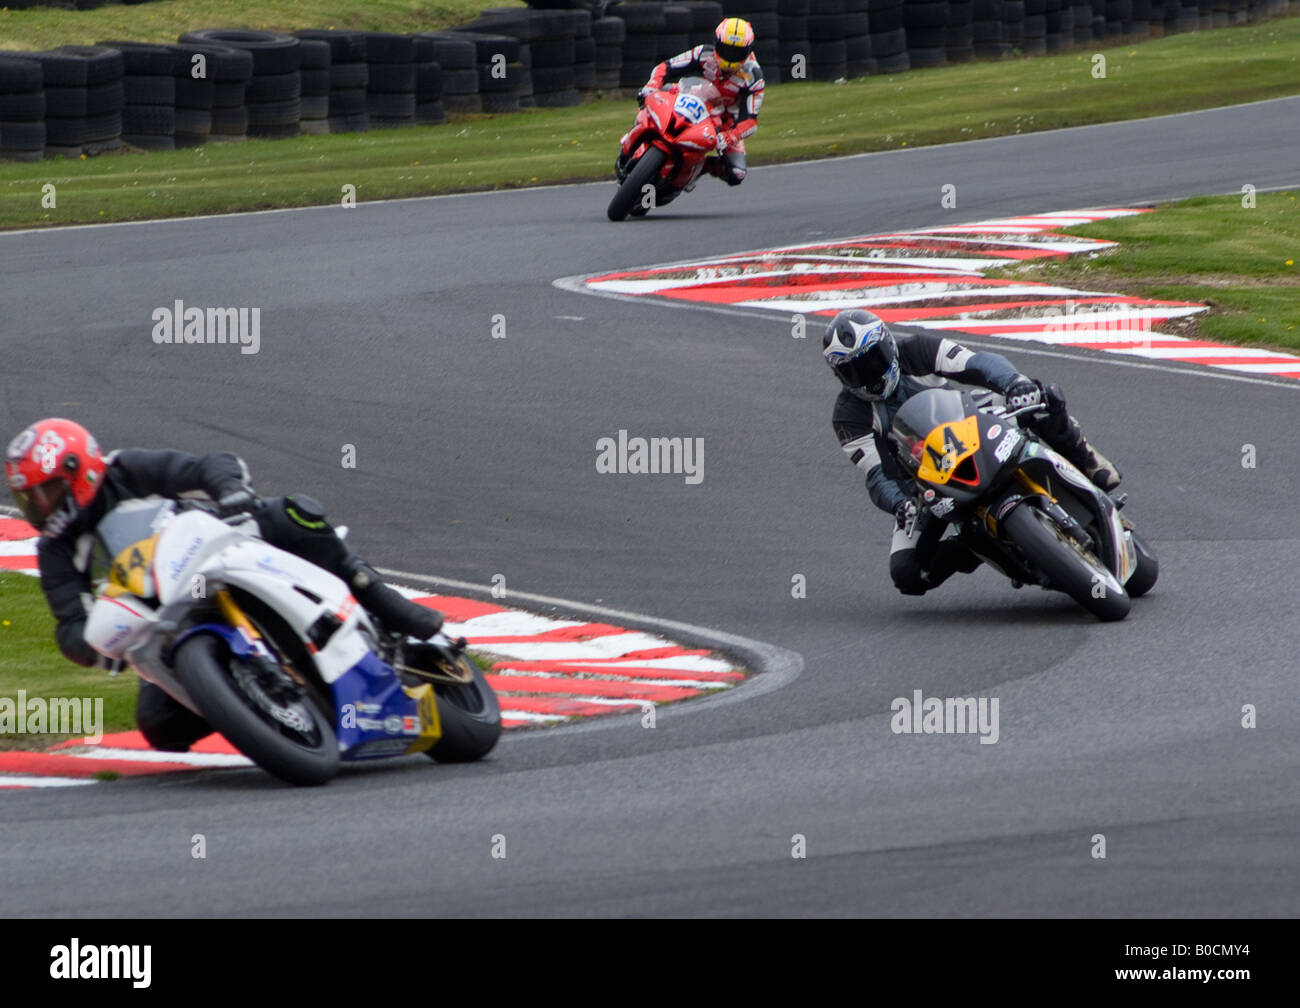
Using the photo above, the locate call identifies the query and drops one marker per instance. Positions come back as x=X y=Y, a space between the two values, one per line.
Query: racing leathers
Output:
x=920 y=558
x=295 y=524
x=742 y=95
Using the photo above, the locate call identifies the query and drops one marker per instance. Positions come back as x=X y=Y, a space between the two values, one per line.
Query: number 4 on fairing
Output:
x=1019 y=505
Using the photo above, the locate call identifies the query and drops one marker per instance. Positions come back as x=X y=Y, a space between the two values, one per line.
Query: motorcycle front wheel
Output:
x=1068 y=566
x=644 y=172
x=1148 y=568
x=290 y=738
x=470 y=715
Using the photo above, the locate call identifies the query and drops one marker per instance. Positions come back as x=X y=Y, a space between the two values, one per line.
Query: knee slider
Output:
x=906 y=573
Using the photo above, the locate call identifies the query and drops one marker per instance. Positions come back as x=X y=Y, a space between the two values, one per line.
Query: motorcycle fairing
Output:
x=378 y=716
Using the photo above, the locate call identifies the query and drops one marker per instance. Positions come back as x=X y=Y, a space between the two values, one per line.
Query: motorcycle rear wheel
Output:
x=644 y=172
x=1068 y=566
x=304 y=757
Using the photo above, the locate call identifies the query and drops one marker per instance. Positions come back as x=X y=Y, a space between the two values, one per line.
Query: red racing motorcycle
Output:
x=667 y=145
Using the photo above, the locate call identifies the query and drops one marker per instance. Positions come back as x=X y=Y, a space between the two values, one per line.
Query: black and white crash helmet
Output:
x=863 y=354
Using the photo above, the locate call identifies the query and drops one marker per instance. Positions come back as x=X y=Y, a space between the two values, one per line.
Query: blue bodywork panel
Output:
x=376 y=716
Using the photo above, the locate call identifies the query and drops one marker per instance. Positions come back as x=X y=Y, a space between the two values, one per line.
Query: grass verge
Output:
x=1240 y=260
x=1180 y=73
x=29 y=661
x=163 y=20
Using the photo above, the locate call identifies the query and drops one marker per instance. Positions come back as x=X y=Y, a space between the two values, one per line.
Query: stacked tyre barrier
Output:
x=643 y=27
x=793 y=46
x=485 y=70
x=273 y=97
x=314 y=110
x=83 y=99
x=705 y=16
x=22 y=108
x=828 y=52
x=549 y=41
x=584 y=53
x=149 y=95
x=762 y=14
x=1013 y=23
x=926 y=22
x=553 y=49
x=1187 y=17
x=959 y=39
x=429 y=110
x=195 y=73
x=888 y=36
x=609 y=34
x=678 y=32
x=987 y=36
x=214 y=79
x=486 y=77
x=1060 y=23
x=349 y=74
x=228 y=84
x=390 y=91
x=1033 y=35
x=1081 y=22
x=860 y=59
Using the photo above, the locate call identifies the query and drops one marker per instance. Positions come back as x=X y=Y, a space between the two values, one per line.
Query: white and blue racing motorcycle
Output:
x=274 y=652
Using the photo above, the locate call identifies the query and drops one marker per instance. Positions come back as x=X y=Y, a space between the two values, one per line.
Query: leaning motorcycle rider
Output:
x=729 y=65
x=879 y=371
x=64 y=487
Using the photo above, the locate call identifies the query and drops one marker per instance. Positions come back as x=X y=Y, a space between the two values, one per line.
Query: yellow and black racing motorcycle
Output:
x=1019 y=505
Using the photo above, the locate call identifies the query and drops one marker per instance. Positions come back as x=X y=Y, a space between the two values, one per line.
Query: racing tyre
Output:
x=1068 y=566
x=299 y=747
x=645 y=172
x=470 y=715
x=1148 y=568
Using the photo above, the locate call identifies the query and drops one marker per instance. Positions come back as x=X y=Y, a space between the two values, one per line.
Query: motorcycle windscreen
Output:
x=132 y=521
x=700 y=89
x=919 y=416
x=124 y=542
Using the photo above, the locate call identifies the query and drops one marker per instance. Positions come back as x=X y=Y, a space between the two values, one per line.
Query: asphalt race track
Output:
x=476 y=456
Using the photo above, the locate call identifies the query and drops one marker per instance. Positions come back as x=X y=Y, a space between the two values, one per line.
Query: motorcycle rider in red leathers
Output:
x=729 y=65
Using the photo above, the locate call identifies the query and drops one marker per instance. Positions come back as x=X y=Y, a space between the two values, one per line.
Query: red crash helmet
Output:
x=53 y=469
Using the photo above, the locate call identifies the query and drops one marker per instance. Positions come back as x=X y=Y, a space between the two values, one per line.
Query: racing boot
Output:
x=1063 y=433
x=1098 y=468
x=393 y=610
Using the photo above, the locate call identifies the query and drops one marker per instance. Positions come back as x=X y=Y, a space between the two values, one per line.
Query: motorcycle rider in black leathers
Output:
x=64 y=487
x=879 y=371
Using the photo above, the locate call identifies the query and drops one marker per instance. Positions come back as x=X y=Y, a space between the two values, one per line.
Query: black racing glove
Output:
x=1023 y=391
x=644 y=93
x=234 y=498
